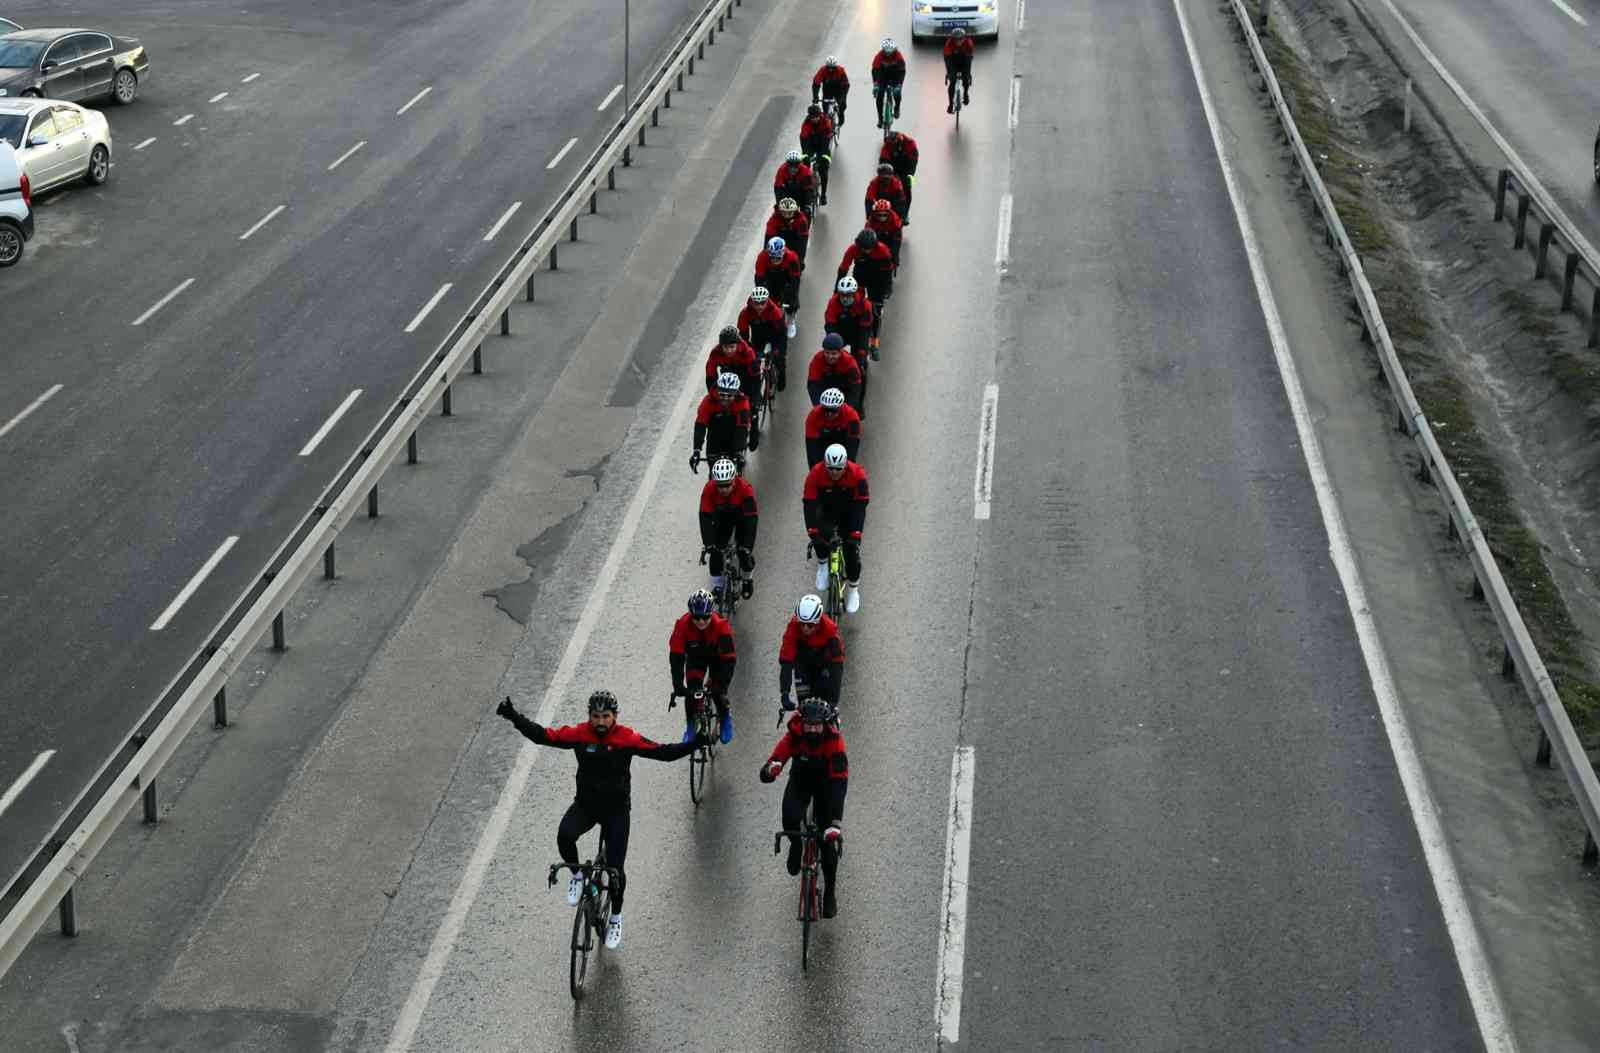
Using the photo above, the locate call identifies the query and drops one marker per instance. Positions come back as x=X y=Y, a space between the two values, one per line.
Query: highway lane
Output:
x=1187 y=831
x=169 y=437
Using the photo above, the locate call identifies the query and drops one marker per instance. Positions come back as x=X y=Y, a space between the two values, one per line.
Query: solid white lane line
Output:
x=185 y=119
x=28 y=412
x=159 y=304
x=414 y=100
x=146 y=143
x=194 y=583
x=327 y=425
x=564 y=151
x=1570 y=13
x=502 y=221
x=219 y=96
x=1002 y=239
x=983 y=482
x=1022 y=14
x=1016 y=99
x=430 y=305
x=953 y=930
x=250 y=78
x=24 y=779
x=347 y=155
x=612 y=94
x=263 y=221
x=494 y=831
x=1475 y=971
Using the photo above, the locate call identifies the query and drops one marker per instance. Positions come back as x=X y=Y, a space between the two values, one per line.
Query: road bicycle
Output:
x=768 y=393
x=809 y=911
x=733 y=578
x=594 y=912
x=887 y=97
x=815 y=200
x=831 y=108
x=833 y=598
x=960 y=90
x=703 y=715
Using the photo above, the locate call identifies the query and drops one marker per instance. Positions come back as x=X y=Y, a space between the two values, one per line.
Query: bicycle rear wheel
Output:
x=583 y=941
x=808 y=882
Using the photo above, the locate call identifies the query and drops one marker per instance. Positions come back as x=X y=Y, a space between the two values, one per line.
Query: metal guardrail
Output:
x=1520 y=657
x=129 y=776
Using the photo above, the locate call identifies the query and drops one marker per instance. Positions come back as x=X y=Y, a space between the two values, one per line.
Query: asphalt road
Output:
x=1530 y=67
x=1187 y=830
x=170 y=436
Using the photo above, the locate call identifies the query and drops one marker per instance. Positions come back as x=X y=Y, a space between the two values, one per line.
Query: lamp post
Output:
x=627 y=90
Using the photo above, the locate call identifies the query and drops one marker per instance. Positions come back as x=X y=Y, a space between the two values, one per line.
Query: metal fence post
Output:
x=69 y=914
x=554 y=263
x=152 y=812
x=1567 y=280
x=278 y=641
x=1508 y=664
x=594 y=203
x=627 y=157
x=477 y=359
x=611 y=178
x=1594 y=320
x=219 y=707
x=1524 y=202
x=327 y=564
x=572 y=231
x=1546 y=232
x=411 y=449
x=1501 y=186
x=530 y=287
x=372 y=503
x=641 y=135
x=1591 y=854
x=655 y=117
x=1541 y=757
x=444 y=406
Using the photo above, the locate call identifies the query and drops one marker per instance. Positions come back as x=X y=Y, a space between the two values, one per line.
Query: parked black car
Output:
x=71 y=64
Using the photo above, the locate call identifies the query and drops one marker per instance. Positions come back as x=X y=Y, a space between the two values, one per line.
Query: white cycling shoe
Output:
x=852 y=599
x=574 y=890
x=822 y=575
x=614 y=933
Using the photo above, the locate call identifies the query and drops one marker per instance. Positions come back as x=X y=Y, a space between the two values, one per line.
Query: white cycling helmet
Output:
x=847 y=285
x=833 y=398
x=722 y=469
x=788 y=207
x=775 y=247
x=834 y=456
x=889 y=46
x=809 y=609
x=759 y=295
x=831 y=61
x=730 y=382
x=794 y=157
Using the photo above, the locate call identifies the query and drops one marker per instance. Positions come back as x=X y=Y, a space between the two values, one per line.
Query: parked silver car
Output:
x=57 y=142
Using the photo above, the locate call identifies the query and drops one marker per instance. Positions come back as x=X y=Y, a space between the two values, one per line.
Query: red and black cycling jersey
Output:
x=794 y=180
x=741 y=499
x=824 y=759
x=790 y=227
x=743 y=363
x=832 y=81
x=714 y=411
x=822 y=646
x=816 y=135
x=890 y=68
x=900 y=150
x=843 y=372
x=887 y=188
x=604 y=761
x=777 y=276
x=872 y=268
x=958 y=52
x=889 y=228
x=694 y=652
x=760 y=326
x=855 y=319
x=842 y=501
x=835 y=426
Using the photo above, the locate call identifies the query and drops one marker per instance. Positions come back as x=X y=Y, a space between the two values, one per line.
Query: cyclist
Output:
x=888 y=73
x=701 y=653
x=779 y=269
x=899 y=150
x=728 y=510
x=850 y=314
x=832 y=367
x=958 y=51
x=831 y=421
x=888 y=226
x=763 y=327
x=831 y=82
x=835 y=498
x=816 y=139
x=732 y=355
x=795 y=179
x=886 y=186
x=820 y=778
x=812 y=648
x=605 y=751
x=789 y=222
x=873 y=264
x=722 y=424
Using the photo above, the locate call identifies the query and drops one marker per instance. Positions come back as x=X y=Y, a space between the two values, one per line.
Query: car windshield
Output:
x=11 y=128
x=19 y=54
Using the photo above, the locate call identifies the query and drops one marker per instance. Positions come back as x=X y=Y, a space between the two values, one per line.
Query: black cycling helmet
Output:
x=729 y=335
x=816 y=711
x=832 y=342
x=867 y=240
x=700 y=603
x=814 y=110
x=601 y=702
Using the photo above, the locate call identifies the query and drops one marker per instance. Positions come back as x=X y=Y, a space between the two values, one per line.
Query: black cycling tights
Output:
x=613 y=827
x=796 y=795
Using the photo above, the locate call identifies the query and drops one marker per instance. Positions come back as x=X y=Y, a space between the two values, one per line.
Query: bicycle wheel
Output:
x=808 y=881
x=697 y=774
x=582 y=943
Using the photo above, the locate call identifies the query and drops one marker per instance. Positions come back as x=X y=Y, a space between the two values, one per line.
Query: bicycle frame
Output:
x=704 y=708
x=593 y=913
x=808 y=910
x=833 y=602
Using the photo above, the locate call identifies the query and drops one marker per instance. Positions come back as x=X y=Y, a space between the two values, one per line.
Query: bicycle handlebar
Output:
x=803 y=835
x=586 y=869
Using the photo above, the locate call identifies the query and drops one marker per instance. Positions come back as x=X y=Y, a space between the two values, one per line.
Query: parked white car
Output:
x=57 y=142
x=936 y=18
x=16 y=207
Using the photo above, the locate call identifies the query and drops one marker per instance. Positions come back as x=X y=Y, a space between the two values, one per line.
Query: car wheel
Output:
x=125 y=86
x=33 y=93
x=99 y=166
x=10 y=242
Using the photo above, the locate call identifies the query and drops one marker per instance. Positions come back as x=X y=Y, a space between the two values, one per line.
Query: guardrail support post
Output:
x=505 y=330
x=627 y=157
x=594 y=202
x=477 y=357
x=278 y=642
x=1406 y=125
x=69 y=914
x=572 y=231
x=641 y=135
x=667 y=102
x=713 y=38
x=1541 y=757
x=655 y=117
x=1524 y=202
x=372 y=503
x=219 y=707
x=701 y=49
x=411 y=449
x=444 y=405
x=1568 y=279
x=611 y=178
x=691 y=65
x=327 y=564
x=530 y=288
x=1591 y=854
x=1477 y=588
x=1594 y=320
x=554 y=263
x=1546 y=232
x=1501 y=186
x=1508 y=665
x=680 y=80
x=152 y=814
